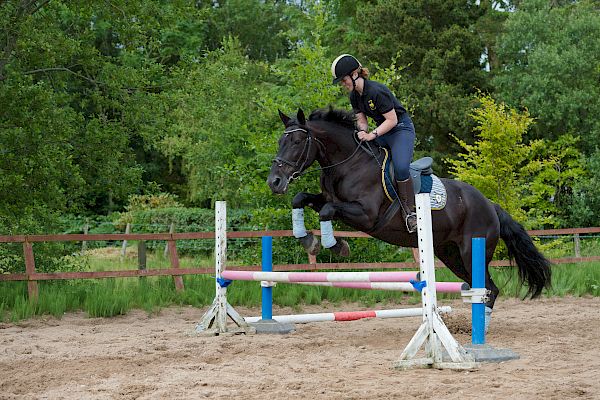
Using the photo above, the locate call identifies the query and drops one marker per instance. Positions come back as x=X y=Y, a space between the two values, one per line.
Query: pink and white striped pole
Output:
x=395 y=276
x=440 y=287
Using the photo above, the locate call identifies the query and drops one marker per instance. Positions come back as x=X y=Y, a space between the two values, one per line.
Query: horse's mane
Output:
x=342 y=117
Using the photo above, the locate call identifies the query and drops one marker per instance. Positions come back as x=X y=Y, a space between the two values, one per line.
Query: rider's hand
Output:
x=362 y=135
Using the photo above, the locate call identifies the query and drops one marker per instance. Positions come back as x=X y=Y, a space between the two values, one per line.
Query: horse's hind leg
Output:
x=306 y=239
x=467 y=256
x=449 y=254
x=459 y=260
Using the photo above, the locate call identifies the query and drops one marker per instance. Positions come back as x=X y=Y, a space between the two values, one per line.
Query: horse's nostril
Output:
x=276 y=182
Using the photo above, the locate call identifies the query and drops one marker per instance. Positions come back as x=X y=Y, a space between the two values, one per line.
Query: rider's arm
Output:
x=391 y=120
x=361 y=122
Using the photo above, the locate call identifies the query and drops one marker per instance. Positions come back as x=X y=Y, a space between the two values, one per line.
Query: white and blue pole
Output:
x=478 y=282
x=267 y=266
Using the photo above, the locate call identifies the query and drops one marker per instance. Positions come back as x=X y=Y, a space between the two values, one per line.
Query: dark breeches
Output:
x=401 y=142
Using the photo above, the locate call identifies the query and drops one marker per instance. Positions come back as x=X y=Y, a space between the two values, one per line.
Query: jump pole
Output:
x=433 y=333
x=440 y=287
x=299 y=277
x=348 y=315
x=265 y=323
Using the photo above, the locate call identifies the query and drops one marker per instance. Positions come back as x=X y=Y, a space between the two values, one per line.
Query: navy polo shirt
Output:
x=375 y=101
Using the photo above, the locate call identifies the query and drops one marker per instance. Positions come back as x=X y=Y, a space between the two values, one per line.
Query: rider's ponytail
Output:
x=363 y=72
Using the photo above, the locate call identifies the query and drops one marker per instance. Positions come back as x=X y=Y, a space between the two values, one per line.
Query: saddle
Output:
x=421 y=175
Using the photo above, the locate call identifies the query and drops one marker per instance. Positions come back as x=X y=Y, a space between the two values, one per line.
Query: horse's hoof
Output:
x=341 y=248
x=311 y=244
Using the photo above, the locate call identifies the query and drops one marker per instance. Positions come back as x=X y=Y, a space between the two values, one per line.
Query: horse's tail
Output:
x=533 y=267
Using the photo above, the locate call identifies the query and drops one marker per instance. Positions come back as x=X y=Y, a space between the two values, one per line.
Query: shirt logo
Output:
x=371 y=105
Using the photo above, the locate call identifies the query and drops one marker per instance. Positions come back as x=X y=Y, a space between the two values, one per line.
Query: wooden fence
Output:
x=32 y=277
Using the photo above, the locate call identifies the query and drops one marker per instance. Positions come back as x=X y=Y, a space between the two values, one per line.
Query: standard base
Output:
x=430 y=363
x=270 y=326
x=486 y=353
x=214 y=321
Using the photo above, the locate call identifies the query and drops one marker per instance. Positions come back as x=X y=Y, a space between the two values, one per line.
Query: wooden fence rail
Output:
x=176 y=272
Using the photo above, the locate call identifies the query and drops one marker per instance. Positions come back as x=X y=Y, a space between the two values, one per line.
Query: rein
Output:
x=298 y=173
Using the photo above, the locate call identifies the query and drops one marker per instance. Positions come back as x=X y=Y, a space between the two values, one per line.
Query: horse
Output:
x=352 y=192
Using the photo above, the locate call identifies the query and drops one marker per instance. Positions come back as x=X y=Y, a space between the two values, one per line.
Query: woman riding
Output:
x=394 y=126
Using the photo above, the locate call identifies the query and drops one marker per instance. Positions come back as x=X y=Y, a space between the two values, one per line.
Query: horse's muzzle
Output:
x=277 y=183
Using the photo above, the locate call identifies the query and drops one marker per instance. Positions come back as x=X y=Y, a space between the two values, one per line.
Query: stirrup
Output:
x=411 y=222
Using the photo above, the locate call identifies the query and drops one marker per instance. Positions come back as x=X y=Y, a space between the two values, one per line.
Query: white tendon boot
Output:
x=488 y=317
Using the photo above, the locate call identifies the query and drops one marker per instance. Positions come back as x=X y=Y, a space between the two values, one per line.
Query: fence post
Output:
x=142 y=255
x=577 y=245
x=124 y=248
x=32 y=286
x=86 y=228
x=178 y=279
x=171 y=231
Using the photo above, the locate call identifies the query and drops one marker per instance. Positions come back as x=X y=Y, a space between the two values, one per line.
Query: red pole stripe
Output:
x=353 y=315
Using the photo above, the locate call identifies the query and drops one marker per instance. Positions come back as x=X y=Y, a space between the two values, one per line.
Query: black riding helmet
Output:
x=342 y=66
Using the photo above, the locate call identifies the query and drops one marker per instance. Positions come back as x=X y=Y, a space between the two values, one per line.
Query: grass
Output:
x=115 y=296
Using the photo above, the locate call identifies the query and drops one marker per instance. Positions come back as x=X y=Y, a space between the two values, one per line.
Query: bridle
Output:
x=300 y=163
x=307 y=146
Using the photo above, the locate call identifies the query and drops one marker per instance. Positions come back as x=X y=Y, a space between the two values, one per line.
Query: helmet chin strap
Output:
x=354 y=82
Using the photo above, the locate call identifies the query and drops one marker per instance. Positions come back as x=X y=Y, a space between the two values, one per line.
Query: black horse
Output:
x=352 y=192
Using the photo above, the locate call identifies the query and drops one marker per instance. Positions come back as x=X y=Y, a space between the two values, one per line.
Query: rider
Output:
x=394 y=126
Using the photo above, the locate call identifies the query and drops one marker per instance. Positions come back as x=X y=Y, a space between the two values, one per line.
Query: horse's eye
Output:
x=297 y=141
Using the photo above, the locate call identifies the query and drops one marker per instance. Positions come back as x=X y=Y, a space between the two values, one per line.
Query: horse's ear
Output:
x=301 y=117
x=284 y=118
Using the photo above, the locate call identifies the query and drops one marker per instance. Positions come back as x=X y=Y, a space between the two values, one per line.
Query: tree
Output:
x=260 y=26
x=38 y=178
x=438 y=43
x=553 y=170
x=532 y=181
x=492 y=163
x=205 y=118
x=551 y=65
x=585 y=206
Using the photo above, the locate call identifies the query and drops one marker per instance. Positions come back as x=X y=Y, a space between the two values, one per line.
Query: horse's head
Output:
x=297 y=151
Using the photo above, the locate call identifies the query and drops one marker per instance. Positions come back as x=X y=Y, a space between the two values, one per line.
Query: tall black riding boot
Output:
x=407 y=198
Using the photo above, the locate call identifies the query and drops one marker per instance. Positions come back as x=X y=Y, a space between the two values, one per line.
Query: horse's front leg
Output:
x=352 y=213
x=307 y=239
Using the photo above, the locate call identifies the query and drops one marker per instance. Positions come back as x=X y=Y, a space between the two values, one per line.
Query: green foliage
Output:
x=553 y=72
x=437 y=43
x=302 y=81
x=101 y=101
x=492 y=163
x=554 y=169
x=533 y=182
x=39 y=178
x=260 y=26
x=149 y=202
x=585 y=207
x=208 y=123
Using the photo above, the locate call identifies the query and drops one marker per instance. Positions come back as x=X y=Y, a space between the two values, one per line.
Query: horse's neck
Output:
x=339 y=146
